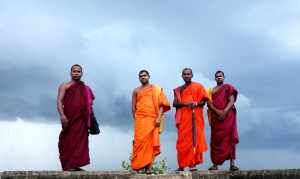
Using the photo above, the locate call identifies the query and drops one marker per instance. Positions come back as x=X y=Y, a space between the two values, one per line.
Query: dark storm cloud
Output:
x=27 y=92
x=164 y=36
x=275 y=129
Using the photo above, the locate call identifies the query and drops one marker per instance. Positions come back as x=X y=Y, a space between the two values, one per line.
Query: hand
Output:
x=64 y=121
x=220 y=114
x=157 y=122
x=201 y=103
x=192 y=105
x=223 y=114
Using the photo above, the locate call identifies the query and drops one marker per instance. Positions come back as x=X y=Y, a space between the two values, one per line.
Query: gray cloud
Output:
x=273 y=129
x=113 y=41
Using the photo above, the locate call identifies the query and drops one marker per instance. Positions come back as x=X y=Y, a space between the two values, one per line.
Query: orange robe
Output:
x=146 y=144
x=191 y=142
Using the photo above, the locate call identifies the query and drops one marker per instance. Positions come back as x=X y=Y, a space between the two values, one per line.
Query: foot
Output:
x=142 y=171
x=193 y=169
x=234 y=168
x=178 y=170
x=214 y=167
x=149 y=172
x=79 y=169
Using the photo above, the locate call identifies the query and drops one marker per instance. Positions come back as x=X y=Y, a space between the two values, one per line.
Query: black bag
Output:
x=94 y=129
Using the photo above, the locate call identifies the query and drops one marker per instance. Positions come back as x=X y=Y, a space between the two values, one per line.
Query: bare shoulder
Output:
x=64 y=86
x=215 y=89
x=136 y=90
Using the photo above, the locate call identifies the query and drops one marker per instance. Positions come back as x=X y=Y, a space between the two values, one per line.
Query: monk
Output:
x=148 y=106
x=74 y=104
x=222 y=116
x=189 y=100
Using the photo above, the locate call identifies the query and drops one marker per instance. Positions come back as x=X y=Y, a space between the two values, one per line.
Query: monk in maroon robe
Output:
x=74 y=103
x=222 y=116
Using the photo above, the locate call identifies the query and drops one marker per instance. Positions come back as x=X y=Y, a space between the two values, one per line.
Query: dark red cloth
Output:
x=224 y=134
x=73 y=140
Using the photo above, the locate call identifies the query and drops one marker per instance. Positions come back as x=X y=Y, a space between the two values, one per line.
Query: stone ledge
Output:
x=253 y=174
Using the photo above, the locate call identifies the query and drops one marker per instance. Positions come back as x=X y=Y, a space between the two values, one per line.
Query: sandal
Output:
x=193 y=169
x=179 y=170
x=234 y=168
x=214 y=167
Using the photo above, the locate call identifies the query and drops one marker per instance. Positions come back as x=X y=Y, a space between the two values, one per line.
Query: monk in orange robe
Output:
x=148 y=105
x=189 y=100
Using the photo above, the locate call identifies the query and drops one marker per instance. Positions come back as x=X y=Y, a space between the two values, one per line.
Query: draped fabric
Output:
x=73 y=140
x=146 y=144
x=224 y=134
x=189 y=152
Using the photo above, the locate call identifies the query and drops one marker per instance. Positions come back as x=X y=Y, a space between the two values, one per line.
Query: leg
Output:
x=148 y=169
x=193 y=168
x=233 y=167
x=179 y=169
x=214 y=167
x=79 y=169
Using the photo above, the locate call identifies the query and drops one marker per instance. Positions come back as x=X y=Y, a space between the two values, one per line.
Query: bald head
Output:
x=187 y=75
x=187 y=69
x=76 y=72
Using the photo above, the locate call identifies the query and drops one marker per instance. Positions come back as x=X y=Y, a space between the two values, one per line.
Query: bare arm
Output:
x=220 y=113
x=60 y=97
x=176 y=102
x=212 y=107
x=202 y=102
x=133 y=103
x=161 y=112
x=229 y=105
x=60 y=107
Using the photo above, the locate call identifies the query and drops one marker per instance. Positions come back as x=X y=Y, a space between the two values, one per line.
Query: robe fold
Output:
x=224 y=134
x=146 y=144
x=73 y=139
x=188 y=153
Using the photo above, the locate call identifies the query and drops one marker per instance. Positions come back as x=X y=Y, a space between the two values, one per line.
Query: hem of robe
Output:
x=193 y=164
x=221 y=162
x=140 y=168
x=156 y=152
x=80 y=164
x=230 y=156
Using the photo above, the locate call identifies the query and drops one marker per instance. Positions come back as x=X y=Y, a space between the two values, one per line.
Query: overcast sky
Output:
x=256 y=43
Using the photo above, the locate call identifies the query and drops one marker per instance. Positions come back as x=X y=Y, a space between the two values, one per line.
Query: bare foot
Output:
x=193 y=169
x=214 y=167
x=234 y=168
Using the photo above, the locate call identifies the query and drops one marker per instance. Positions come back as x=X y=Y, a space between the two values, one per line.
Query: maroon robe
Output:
x=224 y=134
x=73 y=140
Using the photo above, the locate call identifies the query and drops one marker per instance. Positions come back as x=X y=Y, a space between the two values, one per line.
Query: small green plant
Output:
x=160 y=167
x=126 y=166
x=157 y=168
